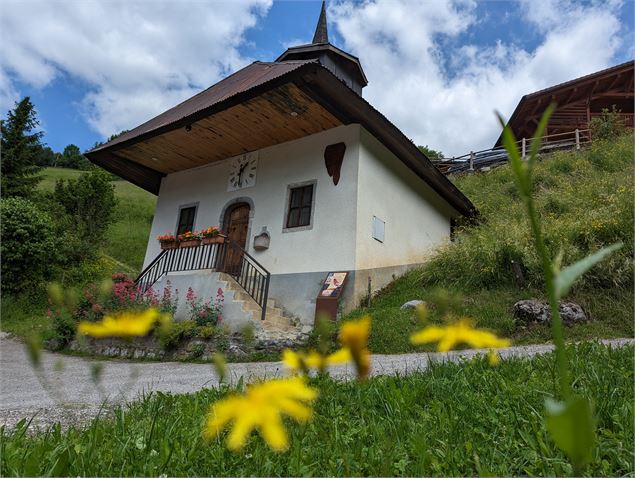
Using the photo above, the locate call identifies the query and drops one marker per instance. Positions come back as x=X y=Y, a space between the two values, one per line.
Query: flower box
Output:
x=213 y=240
x=168 y=241
x=190 y=243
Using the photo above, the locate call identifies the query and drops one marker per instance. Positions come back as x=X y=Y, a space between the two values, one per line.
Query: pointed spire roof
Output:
x=321 y=30
x=343 y=65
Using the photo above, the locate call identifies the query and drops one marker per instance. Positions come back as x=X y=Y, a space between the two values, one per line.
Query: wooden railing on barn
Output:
x=227 y=257
x=488 y=158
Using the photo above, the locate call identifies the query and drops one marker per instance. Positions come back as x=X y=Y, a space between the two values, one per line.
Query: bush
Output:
x=28 y=245
x=89 y=202
x=608 y=126
x=178 y=332
x=208 y=312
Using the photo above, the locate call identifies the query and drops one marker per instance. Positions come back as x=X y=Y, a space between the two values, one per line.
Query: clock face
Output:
x=242 y=171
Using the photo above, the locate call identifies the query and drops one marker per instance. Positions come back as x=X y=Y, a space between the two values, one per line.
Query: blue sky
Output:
x=434 y=67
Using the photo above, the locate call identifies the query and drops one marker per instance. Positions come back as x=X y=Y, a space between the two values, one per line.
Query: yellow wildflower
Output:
x=313 y=360
x=461 y=332
x=126 y=324
x=261 y=407
x=354 y=337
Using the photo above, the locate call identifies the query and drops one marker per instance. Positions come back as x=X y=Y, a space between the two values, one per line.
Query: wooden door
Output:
x=236 y=226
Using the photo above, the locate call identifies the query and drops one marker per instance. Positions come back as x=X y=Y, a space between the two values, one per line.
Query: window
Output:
x=186 y=219
x=300 y=202
x=379 y=229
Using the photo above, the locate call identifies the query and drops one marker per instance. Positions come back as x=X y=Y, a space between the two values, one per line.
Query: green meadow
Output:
x=453 y=420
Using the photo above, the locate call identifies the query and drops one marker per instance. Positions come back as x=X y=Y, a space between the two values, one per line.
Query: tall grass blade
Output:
x=565 y=279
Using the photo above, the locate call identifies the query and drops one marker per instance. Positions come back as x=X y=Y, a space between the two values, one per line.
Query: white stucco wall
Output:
x=329 y=245
x=417 y=219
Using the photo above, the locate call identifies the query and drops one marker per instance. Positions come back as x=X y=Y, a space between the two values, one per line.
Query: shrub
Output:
x=205 y=331
x=178 y=332
x=89 y=202
x=608 y=126
x=28 y=246
x=208 y=312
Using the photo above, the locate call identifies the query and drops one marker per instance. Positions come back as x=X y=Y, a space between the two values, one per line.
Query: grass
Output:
x=127 y=238
x=453 y=420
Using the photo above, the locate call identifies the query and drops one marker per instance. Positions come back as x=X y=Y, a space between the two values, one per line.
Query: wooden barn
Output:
x=578 y=102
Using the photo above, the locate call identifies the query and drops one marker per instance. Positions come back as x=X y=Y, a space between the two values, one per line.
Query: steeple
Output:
x=343 y=65
x=321 y=31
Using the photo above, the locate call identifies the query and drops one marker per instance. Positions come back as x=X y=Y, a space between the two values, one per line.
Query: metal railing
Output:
x=475 y=160
x=226 y=257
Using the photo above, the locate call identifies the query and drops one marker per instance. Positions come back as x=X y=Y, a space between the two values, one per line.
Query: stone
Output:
x=531 y=311
x=412 y=304
x=534 y=311
x=306 y=329
x=572 y=313
x=235 y=351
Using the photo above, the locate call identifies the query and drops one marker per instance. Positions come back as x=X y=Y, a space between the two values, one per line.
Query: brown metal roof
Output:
x=258 y=79
x=243 y=80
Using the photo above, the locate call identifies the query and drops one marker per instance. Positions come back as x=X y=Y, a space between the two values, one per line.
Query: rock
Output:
x=235 y=351
x=572 y=313
x=533 y=311
x=412 y=304
x=306 y=329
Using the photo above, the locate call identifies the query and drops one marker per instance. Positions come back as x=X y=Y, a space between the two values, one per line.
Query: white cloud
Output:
x=403 y=47
x=138 y=58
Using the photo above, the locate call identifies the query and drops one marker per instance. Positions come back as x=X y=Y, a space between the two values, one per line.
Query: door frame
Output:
x=227 y=209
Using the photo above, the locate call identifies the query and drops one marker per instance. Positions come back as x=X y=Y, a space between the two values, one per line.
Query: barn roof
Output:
x=258 y=106
x=616 y=79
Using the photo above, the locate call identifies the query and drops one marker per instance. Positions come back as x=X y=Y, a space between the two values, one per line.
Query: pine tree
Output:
x=20 y=150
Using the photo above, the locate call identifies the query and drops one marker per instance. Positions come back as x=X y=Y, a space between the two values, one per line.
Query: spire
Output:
x=321 y=33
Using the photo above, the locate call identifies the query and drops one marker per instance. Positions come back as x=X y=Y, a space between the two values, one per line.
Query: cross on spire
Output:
x=321 y=32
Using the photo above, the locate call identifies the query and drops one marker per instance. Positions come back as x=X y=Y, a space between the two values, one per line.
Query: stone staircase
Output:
x=276 y=326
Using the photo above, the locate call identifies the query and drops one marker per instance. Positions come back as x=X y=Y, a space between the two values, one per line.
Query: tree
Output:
x=28 y=244
x=45 y=157
x=431 y=153
x=90 y=202
x=20 y=149
x=73 y=158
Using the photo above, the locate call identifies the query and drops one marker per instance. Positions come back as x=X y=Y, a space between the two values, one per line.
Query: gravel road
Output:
x=78 y=398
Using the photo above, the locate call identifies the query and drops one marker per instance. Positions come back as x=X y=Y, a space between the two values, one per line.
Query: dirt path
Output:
x=22 y=395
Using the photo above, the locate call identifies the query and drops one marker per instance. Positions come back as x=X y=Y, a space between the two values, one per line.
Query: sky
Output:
x=438 y=69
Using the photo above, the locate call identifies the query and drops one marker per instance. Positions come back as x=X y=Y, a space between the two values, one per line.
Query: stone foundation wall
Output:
x=150 y=348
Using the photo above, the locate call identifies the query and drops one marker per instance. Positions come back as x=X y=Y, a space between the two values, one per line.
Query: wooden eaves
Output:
x=610 y=82
x=339 y=103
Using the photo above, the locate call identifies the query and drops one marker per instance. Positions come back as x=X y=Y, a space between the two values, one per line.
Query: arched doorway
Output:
x=236 y=226
x=236 y=223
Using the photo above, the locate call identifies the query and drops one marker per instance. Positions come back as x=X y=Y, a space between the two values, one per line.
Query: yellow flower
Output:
x=262 y=407
x=313 y=360
x=458 y=333
x=126 y=324
x=354 y=337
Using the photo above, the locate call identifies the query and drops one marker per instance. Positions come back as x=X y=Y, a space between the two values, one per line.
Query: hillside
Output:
x=585 y=201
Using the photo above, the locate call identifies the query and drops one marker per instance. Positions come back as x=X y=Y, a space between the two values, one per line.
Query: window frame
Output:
x=178 y=216
x=287 y=208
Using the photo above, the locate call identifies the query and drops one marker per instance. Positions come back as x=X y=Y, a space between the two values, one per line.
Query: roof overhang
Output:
x=616 y=81
x=258 y=117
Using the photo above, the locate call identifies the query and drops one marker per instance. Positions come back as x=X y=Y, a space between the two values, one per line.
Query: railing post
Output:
x=471 y=160
x=524 y=146
x=577 y=138
x=266 y=297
